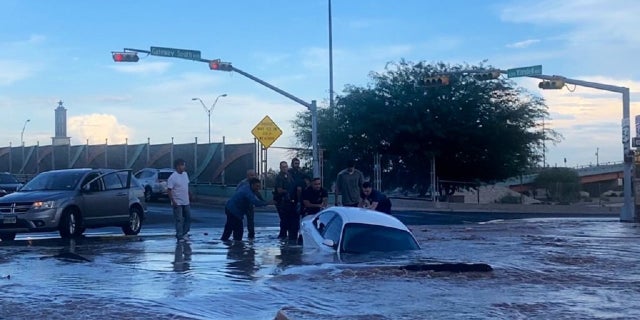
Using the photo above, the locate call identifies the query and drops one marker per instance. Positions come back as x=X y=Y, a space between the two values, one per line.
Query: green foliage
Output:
x=479 y=131
x=562 y=184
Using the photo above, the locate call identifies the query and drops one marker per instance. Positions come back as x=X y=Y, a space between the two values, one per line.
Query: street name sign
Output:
x=175 y=53
x=524 y=71
x=267 y=132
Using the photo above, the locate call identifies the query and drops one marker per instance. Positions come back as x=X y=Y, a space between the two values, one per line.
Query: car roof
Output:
x=366 y=216
x=102 y=170
x=70 y=170
x=156 y=169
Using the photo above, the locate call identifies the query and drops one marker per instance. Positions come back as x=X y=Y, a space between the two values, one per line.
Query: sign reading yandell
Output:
x=267 y=132
x=524 y=71
x=175 y=53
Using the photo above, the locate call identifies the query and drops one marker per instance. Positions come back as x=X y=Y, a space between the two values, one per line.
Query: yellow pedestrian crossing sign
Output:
x=267 y=132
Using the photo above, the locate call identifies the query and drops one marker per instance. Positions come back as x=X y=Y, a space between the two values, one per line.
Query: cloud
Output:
x=598 y=25
x=14 y=71
x=96 y=128
x=522 y=44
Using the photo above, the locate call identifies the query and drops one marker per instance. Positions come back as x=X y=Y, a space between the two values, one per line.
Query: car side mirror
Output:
x=86 y=188
x=328 y=243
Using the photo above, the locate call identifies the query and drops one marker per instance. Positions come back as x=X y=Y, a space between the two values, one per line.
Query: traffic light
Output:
x=489 y=75
x=551 y=84
x=125 y=56
x=220 y=66
x=436 y=81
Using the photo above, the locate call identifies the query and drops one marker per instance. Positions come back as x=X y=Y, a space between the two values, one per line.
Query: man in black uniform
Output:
x=285 y=197
x=374 y=199
x=314 y=198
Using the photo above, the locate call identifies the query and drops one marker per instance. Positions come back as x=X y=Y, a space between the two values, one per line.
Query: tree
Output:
x=479 y=131
x=561 y=184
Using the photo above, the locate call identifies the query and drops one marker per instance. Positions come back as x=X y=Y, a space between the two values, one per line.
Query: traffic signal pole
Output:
x=226 y=66
x=628 y=213
x=312 y=107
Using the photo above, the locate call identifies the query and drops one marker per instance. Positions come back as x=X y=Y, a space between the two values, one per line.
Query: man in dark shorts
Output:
x=374 y=199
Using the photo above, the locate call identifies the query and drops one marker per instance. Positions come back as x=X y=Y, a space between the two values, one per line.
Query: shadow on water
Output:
x=241 y=261
x=182 y=257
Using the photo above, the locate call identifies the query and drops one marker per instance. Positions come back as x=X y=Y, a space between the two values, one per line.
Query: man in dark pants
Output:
x=285 y=197
x=298 y=177
x=238 y=205
x=251 y=231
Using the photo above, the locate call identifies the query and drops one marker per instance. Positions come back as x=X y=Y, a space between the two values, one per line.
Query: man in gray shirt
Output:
x=348 y=185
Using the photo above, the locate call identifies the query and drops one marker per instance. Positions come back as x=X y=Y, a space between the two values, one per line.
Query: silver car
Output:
x=154 y=182
x=72 y=200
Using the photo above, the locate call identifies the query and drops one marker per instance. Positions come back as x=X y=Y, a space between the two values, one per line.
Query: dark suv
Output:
x=71 y=200
x=8 y=183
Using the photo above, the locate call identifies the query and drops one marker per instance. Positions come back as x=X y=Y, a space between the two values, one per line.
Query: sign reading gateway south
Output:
x=175 y=53
x=267 y=132
x=524 y=71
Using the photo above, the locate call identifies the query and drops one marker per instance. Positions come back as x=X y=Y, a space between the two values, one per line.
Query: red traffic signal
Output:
x=220 y=66
x=125 y=56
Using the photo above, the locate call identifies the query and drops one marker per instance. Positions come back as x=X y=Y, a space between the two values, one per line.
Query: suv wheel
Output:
x=135 y=222
x=69 y=224
x=7 y=236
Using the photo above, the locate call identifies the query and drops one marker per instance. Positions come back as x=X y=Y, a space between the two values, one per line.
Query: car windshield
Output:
x=8 y=179
x=54 y=180
x=362 y=238
x=164 y=175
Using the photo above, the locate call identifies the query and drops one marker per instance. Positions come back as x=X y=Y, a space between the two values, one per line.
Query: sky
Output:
x=61 y=51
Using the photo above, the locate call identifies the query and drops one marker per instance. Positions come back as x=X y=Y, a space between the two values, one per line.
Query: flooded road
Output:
x=569 y=268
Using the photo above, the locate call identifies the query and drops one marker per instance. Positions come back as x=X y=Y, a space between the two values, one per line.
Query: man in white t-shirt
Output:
x=179 y=195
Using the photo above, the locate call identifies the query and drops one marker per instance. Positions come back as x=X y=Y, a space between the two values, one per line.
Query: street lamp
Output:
x=22 y=133
x=22 y=143
x=208 y=110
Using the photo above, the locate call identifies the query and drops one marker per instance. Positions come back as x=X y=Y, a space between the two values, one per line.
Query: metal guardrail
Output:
x=583 y=171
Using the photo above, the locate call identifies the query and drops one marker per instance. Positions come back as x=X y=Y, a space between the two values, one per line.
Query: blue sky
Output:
x=61 y=50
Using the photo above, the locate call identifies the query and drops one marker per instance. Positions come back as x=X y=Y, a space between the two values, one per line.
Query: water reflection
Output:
x=290 y=255
x=241 y=260
x=182 y=257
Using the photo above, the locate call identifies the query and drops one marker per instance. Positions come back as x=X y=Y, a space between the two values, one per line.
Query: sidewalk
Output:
x=408 y=204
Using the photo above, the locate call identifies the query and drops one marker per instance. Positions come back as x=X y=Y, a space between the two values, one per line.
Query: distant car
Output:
x=72 y=200
x=154 y=182
x=355 y=230
x=136 y=190
x=8 y=183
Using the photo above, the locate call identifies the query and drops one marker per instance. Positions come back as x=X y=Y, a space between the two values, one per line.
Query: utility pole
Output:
x=558 y=82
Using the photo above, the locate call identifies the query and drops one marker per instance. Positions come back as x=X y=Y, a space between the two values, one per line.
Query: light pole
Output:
x=22 y=142
x=22 y=133
x=208 y=110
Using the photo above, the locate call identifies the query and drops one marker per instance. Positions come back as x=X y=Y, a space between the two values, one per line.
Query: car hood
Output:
x=26 y=196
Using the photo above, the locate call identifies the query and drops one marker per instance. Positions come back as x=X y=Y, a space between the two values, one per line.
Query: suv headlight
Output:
x=43 y=204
